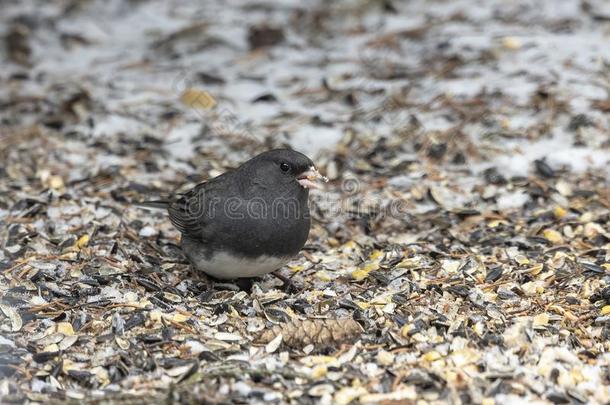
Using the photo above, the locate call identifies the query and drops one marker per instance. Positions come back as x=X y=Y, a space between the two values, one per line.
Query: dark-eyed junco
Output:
x=249 y=221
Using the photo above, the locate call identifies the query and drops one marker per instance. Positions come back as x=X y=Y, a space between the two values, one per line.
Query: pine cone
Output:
x=318 y=332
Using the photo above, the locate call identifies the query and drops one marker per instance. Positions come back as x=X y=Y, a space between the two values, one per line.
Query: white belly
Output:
x=226 y=266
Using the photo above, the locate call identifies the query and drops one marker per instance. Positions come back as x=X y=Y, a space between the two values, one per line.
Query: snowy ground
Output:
x=440 y=124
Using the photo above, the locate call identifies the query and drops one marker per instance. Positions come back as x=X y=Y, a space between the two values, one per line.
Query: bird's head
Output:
x=284 y=167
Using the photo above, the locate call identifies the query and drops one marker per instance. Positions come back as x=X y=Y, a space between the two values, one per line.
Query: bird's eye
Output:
x=284 y=167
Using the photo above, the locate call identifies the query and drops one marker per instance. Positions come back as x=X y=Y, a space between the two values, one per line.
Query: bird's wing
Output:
x=190 y=212
x=183 y=214
x=156 y=204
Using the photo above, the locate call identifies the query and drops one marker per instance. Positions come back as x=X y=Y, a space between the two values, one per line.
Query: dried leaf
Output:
x=198 y=99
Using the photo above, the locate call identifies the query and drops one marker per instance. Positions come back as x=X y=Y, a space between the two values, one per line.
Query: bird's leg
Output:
x=245 y=284
x=218 y=284
x=288 y=286
x=225 y=286
x=240 y=284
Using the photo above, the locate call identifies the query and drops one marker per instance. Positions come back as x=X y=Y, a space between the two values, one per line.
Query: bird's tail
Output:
x=156 y=204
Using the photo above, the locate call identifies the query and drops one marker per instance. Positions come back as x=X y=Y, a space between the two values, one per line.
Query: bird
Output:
x=249 y=221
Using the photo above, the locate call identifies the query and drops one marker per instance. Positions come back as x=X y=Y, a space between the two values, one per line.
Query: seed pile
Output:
x=460 y=252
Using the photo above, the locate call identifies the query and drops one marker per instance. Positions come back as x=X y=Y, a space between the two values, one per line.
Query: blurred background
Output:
x=464 y=234
x=487 y=84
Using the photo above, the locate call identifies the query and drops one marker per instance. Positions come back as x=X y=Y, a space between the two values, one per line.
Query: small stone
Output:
x=147 y=231
x=385 y=358
x=511 y=43
x=541 y=319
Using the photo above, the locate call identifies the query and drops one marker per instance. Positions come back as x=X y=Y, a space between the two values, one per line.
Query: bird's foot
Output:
x=245 y=284
x=289 y=287
x=225 y=286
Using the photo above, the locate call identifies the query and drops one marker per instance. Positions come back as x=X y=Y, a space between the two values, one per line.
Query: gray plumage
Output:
x=246 y=221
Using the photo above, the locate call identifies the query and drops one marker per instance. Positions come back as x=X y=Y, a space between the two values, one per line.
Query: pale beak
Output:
x=308 y=178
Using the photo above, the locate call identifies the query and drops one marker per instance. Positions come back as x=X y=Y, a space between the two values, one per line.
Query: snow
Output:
x=126 y=71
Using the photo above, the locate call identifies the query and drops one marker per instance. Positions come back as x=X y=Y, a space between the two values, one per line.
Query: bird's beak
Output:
x=309 y=177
